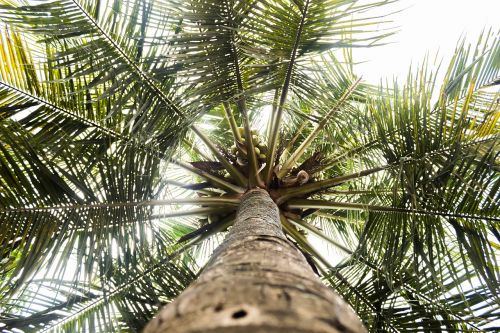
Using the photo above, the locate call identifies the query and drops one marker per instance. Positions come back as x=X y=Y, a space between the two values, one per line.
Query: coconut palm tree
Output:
x=229 y=146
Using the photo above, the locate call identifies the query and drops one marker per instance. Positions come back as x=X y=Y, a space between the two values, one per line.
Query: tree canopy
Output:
x=128 y=128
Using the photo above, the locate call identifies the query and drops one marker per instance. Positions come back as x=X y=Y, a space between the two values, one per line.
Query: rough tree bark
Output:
x=256 y=281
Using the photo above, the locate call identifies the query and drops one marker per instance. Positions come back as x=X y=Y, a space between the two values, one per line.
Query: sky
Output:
x=426 y=26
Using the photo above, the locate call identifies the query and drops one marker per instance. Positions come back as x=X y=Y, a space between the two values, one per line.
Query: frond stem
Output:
x=288 y=164
x=216 y=202
x=232 y=122
x=276 y=119
x=238 y=176
x=192 y=212
x=213 y=179
x=70 y=114
x=288 y=193
x=323 y=204
x=316 y=231
x=254 y=177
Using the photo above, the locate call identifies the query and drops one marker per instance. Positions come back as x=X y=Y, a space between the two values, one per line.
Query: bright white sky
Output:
x=426 y=26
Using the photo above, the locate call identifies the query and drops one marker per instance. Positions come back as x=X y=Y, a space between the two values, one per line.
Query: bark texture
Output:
x=256 y=281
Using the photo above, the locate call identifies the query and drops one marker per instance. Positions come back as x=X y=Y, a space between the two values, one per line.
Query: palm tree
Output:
x=134 y=134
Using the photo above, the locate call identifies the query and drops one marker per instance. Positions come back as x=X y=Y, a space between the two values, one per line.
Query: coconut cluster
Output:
x=259 y=146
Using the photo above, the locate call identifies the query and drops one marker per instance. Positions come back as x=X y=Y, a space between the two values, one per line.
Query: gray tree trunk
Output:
x=256 y=281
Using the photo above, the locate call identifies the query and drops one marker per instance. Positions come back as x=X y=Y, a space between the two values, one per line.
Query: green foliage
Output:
x=116 y=117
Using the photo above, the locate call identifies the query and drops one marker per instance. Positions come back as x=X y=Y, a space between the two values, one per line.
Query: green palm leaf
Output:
x=129 y=131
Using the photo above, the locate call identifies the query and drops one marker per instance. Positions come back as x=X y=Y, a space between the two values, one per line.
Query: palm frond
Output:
x=109 y=204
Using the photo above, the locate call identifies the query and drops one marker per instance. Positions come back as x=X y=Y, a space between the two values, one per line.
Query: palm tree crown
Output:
x=130 y=129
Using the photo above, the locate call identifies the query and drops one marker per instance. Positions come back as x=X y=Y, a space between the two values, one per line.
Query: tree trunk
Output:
x=256 y=281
